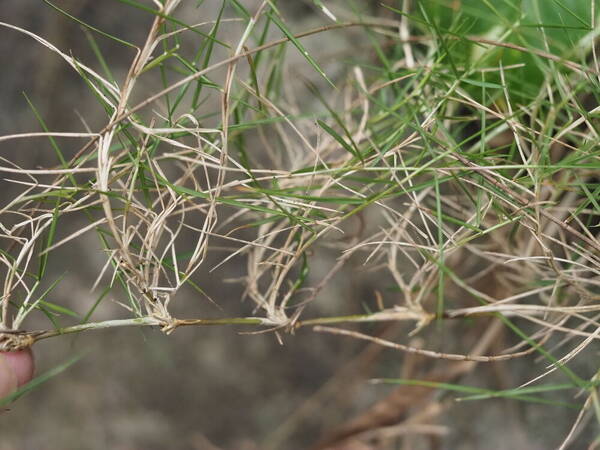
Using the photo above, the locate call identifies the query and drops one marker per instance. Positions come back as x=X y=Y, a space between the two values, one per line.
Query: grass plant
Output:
x=455 y=153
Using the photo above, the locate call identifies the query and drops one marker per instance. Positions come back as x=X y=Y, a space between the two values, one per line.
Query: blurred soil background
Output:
x=208 y=388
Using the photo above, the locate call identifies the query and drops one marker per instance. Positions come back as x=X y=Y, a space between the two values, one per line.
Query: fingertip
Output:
x=22 y=365
x=8 y=379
